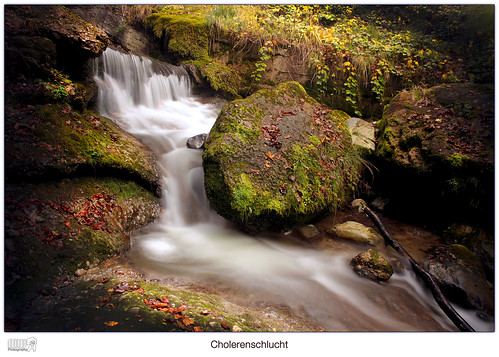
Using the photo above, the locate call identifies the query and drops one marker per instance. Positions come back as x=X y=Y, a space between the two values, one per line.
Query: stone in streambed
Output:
x=197 y=141
x=309 y=232
x=278 y=159
x=372 y=265
x=356 y=232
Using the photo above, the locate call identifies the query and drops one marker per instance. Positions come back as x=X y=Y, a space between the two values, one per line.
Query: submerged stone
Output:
x=372 y=265
x=278 y=159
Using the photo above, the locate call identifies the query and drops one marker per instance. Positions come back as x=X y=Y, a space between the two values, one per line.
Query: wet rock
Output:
x=356 y=232
x=308 y=232
x=372 y=265
x=475 y=239
x=380 y=203
x=278 y=159
x=197 y=142
x=363 y=133
x=461 y=277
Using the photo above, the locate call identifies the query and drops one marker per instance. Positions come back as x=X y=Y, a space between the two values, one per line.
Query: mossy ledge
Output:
x=278 y=159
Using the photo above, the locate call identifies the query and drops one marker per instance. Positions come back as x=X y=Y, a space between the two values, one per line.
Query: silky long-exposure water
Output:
x=190 y=241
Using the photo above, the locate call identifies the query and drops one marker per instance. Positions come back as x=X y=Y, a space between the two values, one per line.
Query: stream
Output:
x=191 y=242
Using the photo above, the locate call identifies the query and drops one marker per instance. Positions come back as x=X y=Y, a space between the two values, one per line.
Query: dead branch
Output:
x=423 y=274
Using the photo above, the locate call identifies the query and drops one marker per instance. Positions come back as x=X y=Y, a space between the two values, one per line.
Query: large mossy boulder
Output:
x=278 y=159
x=437 y=145
x=53 y=141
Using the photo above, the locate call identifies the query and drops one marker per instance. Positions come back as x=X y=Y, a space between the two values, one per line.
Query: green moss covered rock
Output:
x=184 y=31
x=278 y=159
x=54 y=140
x=372 y=265
x=55 y=227
x=437 y=145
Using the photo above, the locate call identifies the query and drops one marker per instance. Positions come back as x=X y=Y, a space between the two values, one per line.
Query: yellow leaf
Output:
x=111 y=323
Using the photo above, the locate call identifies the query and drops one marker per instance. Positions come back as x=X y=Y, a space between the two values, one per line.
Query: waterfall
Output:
x=153 y=102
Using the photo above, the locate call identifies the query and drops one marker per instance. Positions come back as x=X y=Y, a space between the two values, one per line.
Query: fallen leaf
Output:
x=186 y=320
x=198 y=329
x=111 y=323
x=225 y=325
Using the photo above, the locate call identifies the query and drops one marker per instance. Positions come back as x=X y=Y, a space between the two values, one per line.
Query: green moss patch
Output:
x=54 y=140
x=184 y=30
x=57 y=227
x=278 y=158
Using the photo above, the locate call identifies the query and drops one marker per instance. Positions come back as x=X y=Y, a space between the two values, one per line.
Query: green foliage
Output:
x=59 y=86
x=389 y=48
x=265 y=54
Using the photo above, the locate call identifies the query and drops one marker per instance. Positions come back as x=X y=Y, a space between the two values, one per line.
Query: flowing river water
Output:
x=190 y=241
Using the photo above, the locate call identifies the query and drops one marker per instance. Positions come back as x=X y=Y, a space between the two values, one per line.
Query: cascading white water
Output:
x=192 y=242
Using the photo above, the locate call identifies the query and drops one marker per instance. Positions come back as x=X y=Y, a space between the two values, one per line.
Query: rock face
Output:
x=436 y=146
x=356 y=232
x=460 y=275
x=370 y=264
x=278 y=159
x=57 y=27
x=362 y=133
x=118 y=23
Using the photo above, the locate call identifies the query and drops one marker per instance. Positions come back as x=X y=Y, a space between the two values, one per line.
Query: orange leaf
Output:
x=198 y=329
x=111 y=323
x=67 y=224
